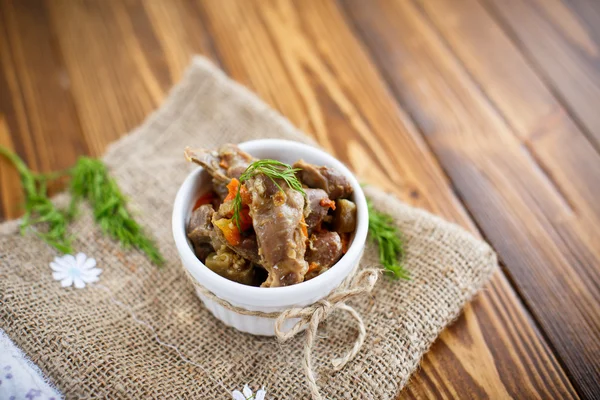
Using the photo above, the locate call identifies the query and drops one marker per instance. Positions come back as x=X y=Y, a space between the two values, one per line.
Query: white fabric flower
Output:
x=247 y=394
x=77 y=270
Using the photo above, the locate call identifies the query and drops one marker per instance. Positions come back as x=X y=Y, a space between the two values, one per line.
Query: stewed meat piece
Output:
x=203 y=250
x=328 y=179
x=200 y=226
x=234 y=160
x=199 y=230
x=229 y=162
x=324 y=250
x=209 y=160
x=276 y=218
x=318 y=205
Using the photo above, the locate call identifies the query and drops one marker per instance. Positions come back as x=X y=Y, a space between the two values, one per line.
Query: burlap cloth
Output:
x=90 y=345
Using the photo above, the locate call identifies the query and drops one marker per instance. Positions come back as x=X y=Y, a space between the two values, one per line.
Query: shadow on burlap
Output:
x=91 y=347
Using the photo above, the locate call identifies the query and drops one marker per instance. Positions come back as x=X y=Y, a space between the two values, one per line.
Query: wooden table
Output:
x=486 y=112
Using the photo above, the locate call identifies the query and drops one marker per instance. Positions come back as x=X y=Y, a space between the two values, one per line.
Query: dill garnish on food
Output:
x=388 y=237
x=274 y=170
x=90 y=180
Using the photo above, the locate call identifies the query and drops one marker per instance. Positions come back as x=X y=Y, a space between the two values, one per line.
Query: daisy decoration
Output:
x=246 y=394
x=75 y=270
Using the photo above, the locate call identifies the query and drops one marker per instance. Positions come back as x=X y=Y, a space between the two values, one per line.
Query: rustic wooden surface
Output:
x=482 y=111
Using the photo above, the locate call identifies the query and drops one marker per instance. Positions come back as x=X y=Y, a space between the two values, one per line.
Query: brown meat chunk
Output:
x=234 y=160
x=229 y=162
x=209 y=160
x=324 y=250
x=316 y=211
x=203 y=250
x=200 y=225
x=276 y=217
x=328 y=179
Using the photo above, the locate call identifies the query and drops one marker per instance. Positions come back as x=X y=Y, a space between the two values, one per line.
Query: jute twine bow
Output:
x=311 y=316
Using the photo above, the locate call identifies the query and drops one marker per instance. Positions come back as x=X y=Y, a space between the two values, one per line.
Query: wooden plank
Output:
x=46 y=128
x=53 y=123
x=561 y=39
x=518 y=208
x=176 y=25
x=12 y=117
x=53 y=126
x=541 y=123
x=306 y=62
x=114 y=86
x=564 y=155
x=10 y=196
x=148 y=45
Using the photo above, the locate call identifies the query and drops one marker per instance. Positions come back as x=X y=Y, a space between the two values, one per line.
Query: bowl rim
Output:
x=240 y=294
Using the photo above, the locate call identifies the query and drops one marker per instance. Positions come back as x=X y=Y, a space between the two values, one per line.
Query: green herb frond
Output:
x=237 y=209
x=39 y=208
x=91 y=181
x=273 y=169
x=387 y=236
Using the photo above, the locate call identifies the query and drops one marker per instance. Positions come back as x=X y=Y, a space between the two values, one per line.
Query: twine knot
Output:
x=311 y=316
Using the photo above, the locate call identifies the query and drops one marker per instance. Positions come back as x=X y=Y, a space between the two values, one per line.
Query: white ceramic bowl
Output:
x=256 y=298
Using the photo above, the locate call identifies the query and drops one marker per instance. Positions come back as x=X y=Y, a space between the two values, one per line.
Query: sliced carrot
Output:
x=206 y=198
x=327 y=203
x=230 y=231
x=232 y=186
x=304 y=227
x=245 y=219
x=223 y=164
x=246 y=196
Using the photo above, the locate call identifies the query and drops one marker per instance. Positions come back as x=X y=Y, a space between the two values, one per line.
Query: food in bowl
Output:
x=266 y=223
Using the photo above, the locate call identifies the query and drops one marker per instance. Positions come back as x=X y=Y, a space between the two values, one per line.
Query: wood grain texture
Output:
x=112 y=62
x=53 y=133
x=542 y=125
x=561 y=40
x=10 y=195
x=516 y=204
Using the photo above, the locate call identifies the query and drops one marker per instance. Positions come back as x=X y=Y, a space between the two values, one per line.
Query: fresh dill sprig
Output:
x=388 y=237
x=237 y=209
x=273 y=169
x=91 y=181
x=39 y=208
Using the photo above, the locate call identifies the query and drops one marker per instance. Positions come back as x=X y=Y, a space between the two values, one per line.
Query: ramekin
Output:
x=256 y=298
